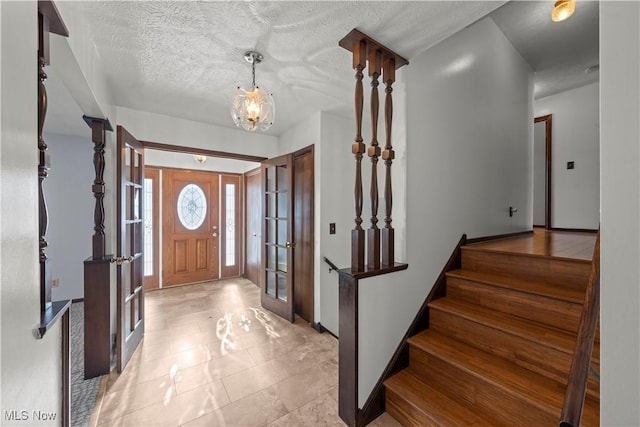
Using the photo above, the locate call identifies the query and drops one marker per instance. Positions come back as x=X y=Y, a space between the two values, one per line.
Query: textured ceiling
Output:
x=184 y=59
x=558 y=52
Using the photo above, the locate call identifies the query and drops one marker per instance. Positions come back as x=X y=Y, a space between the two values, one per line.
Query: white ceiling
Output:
x=558 y=52
x=184 y=59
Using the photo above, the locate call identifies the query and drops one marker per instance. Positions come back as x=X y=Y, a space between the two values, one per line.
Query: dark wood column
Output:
x=97 y=268
x=380 y=60
x=388 y=234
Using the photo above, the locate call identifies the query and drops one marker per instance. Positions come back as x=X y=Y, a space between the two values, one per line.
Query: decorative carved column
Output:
x=97 y=333
x=99 y=127
x=49 y=21
x=358 y=148
x=373 y=234
x=381 y=61
x=388 y=234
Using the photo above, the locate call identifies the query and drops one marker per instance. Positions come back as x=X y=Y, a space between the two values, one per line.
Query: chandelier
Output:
x=253 y=109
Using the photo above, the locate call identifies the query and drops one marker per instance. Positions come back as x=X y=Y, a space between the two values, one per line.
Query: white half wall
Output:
x=620 y=210
x=30 y=373
x=469 y=157
x=575 y=136
x=71 y=205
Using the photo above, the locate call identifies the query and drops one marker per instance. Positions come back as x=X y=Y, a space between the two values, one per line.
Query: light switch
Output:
x=332 y=228
x=570 y=165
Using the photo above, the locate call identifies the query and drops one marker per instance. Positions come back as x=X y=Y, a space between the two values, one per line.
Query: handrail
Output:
x=332 y=266
x=579 y=372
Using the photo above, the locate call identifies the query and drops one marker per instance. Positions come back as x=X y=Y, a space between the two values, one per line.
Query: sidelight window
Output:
x=230 y=226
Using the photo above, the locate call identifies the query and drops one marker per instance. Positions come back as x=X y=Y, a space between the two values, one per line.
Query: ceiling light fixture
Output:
x=198 y=158
x=253 y=109
x=562 y=10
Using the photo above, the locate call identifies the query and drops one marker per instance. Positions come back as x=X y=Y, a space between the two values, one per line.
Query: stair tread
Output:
x=552 y=337
x=479 y=247
x=541 y=391
x=530 y=286
x=441 y=408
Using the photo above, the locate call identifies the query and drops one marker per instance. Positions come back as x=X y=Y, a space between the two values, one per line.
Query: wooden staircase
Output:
x=499 y=345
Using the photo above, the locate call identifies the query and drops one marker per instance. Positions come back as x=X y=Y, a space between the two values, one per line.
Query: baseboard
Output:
x=321 y=329
x=576 y=230
x=498 y=236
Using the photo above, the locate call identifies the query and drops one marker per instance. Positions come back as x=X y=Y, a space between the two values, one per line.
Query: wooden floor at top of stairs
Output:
x=554 y=244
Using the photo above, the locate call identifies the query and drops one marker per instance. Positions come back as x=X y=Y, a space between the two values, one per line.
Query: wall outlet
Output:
x=571 y=165
x=55 y=283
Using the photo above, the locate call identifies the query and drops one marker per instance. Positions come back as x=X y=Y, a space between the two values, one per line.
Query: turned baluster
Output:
x=388 y=237
x=373 y=234
x=358 y=148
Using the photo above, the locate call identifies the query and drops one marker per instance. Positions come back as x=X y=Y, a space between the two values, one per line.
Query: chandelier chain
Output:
x=253 y=74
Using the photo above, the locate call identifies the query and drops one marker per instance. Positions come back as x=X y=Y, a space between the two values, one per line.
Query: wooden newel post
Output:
x=388 y=235
x=358 y=148
x=99 y=128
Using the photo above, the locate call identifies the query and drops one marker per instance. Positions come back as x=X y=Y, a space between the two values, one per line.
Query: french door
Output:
x=130 y=290
x=277 y=281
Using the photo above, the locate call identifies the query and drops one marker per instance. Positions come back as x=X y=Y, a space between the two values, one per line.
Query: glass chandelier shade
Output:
x=562 y=10
x=253 y=109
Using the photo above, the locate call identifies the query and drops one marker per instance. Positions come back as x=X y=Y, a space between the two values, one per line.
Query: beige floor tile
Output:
x=180 y=409
x=254 y=379
x=119 y=402
x=215 y=369
x=300 y=389
x=257 y=409
x=322 y=411
x=385 y=420
x=212 y=356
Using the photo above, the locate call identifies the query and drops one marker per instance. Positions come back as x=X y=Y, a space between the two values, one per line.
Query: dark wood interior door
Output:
x=303 y=251
x=253 y=205
x=190 y=226
x=277 y=288
x=130 y=290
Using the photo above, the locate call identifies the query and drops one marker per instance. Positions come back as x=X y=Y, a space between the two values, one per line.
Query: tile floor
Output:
x=212 y=356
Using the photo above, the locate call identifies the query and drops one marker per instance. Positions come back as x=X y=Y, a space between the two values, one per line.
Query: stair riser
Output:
x=574 y=274
x=548 y=311
x=400 y=409
x=528 y=354
x=506 y=408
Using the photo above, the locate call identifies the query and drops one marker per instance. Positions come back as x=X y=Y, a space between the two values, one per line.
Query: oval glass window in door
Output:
x=192 y=206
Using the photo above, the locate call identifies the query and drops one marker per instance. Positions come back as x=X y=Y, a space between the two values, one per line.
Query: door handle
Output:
x=215 y=234
x=289 y=245
x=119 y=260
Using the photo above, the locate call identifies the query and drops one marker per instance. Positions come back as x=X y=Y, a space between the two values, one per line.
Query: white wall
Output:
x=337 y=206
x=170 y=130
x=620 y=213
x=574 y=137
x=71 y=205
x=469 y=157
x=30 y=376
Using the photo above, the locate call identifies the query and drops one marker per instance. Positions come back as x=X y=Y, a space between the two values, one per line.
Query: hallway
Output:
x=212 y=356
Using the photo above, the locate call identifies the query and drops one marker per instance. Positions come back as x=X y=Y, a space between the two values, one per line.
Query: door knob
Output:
x=215 y=234
x=289 y=245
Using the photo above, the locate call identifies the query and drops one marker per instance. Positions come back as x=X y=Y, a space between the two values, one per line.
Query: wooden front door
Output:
x=130 y=290
x=277 y=285
x=190 y=226
x=253 y=203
